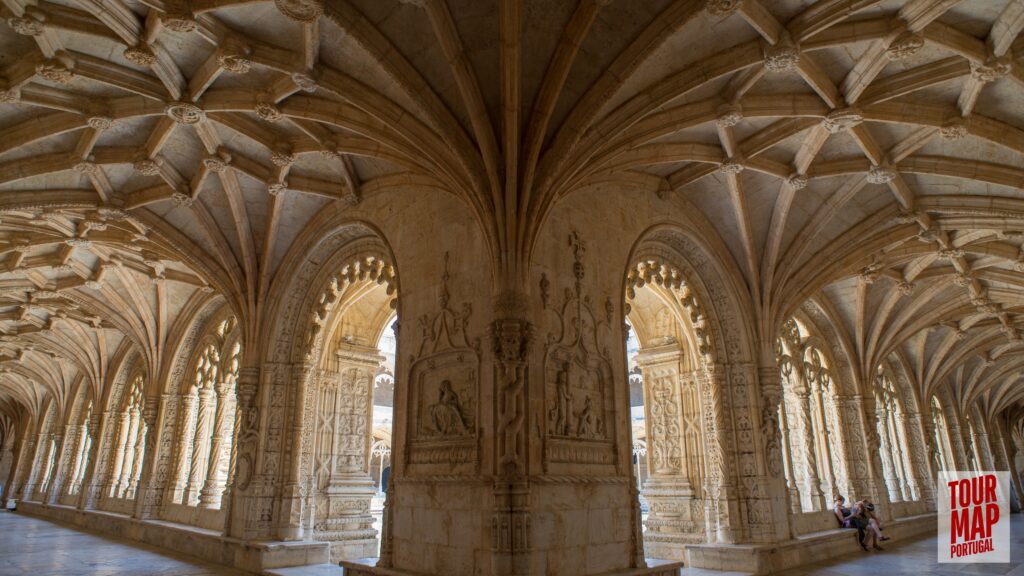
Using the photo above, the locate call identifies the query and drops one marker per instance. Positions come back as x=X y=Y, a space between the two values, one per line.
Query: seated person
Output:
x=847 y=520
x=865 y=516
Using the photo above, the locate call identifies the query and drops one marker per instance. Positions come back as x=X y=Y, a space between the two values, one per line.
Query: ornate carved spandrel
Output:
x=578 y=383
x=444 y=377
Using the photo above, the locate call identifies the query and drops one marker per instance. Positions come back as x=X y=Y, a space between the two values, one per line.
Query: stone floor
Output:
x=34 y=547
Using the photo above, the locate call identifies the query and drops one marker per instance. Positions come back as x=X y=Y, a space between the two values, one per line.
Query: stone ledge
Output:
x=804 y=549
x=368 y=567
x=201 y=543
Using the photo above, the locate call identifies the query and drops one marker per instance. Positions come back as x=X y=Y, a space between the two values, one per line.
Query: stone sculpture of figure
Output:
x=446 y=414
x=585 y=419
x=563 y=403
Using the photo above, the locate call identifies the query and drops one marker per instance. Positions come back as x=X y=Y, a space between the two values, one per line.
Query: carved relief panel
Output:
x=444 y=378
x=578 y=382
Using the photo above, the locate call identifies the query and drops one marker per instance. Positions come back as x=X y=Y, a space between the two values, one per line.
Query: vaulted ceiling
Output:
x=864 y=154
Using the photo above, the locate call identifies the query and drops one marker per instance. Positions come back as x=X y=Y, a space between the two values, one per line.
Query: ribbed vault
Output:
x=863 y=154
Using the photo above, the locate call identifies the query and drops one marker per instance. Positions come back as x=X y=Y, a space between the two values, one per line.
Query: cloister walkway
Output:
x=36 y=547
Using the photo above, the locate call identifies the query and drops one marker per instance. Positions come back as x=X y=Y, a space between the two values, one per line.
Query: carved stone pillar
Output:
x=792 y=490
x=200 y=445
x=92 y=481
x=294 y=492
x=816 y=498
x=128 y=453
x=61 y=460
x=345 y=410
x=919 y=477
x=147 y=498
x=770 y=385
x=213 y=489
x=249 y=493
x=141 y=433
x=878 y=489
x=818 y=393
x=39 y=459
x=23 y=446
x=510 y=518
x=183 y=448
x=722 y=508
x=676 y=516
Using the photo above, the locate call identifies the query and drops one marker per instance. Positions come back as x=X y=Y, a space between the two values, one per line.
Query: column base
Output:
x=368 y=567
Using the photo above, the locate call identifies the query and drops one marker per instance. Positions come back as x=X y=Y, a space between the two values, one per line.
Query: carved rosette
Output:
x=146 y=166
x=140 y=55
x=10 y=96
x=304 y=11
x=179 y=21
x=266 y=109
x=728 y=116
x=783 y=56
x=904 y=46
x=100 y=123
x=234 y=56
x=33 y=23
x=185 y=113
x=842 y=119
x=881 y=175
x=304 y=81
x=732 y=166
x=722 y=8
x=182 y=199
x=55 y=71
x=991 y=70
x=797 y=181
x=953 y=130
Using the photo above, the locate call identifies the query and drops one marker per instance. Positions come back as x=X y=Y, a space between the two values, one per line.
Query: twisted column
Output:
x=210 y=496
x=200 y=445
x=187 y=423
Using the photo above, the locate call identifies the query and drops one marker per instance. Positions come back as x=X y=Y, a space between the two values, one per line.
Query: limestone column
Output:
x=294 y=492
x=183 y=447
x=770 y=385
x=818 y=392
x=983 y=447
x=61 y=460
x=213 y=488
x=348 y=524
x=80 y=455
x=124 y=424
x=127 y=454
x=23 y=446
x=249 y=493
x=200 y=445
x=141 y=433
x=668 y=490
x=148 y=495
x=814 y=494
x=918 y=477
x=925 y=452
x=92 y=481
x=791 y=486
x=39 y=476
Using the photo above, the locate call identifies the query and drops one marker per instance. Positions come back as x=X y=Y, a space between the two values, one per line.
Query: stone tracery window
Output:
x=941 y=439
x=131 y=444
x=808 y=420
x=81 y=453
x=207 y=434
x=893 y=440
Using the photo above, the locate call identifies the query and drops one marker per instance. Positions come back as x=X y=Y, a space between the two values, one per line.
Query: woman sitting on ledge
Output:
x=860 y=516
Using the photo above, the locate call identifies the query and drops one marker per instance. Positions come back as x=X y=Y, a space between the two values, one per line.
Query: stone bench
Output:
x=201 y=543
x=799 y=551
